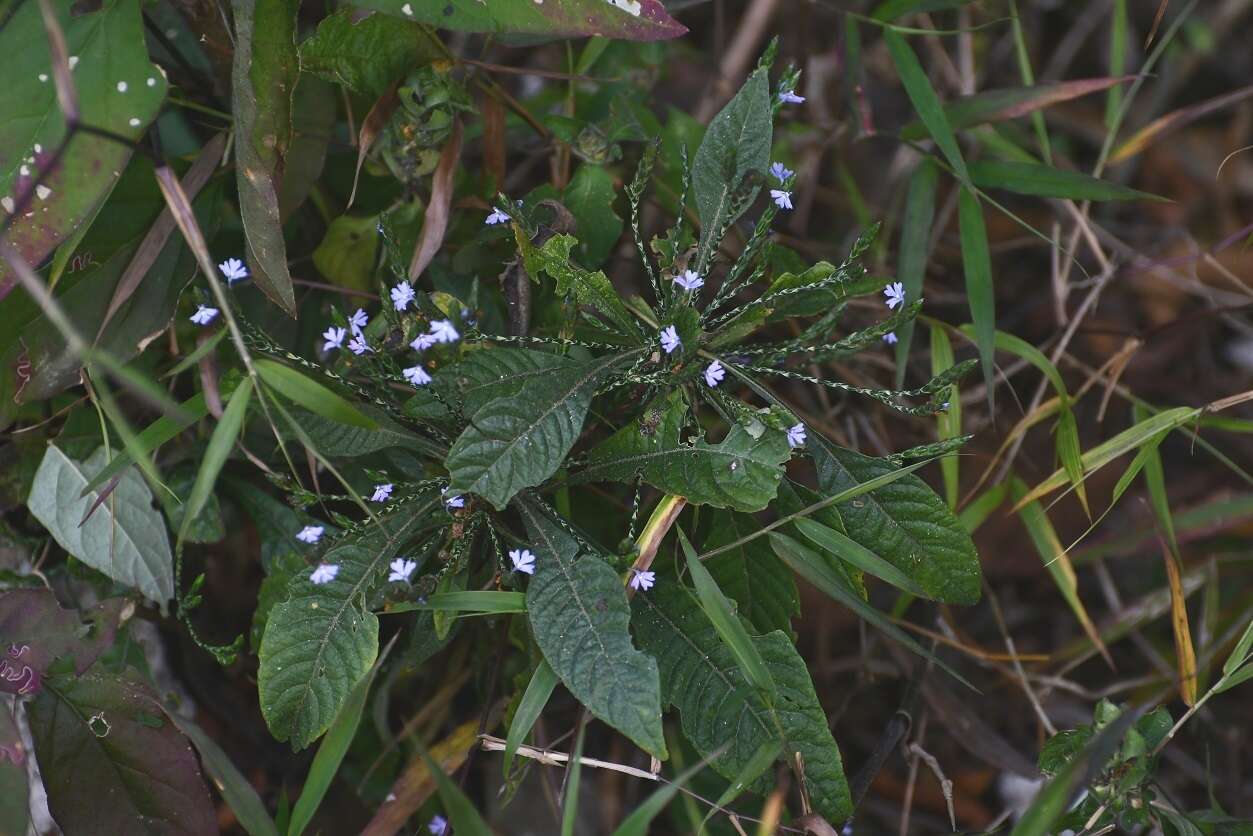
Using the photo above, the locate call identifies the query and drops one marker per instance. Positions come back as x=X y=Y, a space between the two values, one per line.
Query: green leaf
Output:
x=736 y=149
x=347 y=251
x=239 y=795
x=589 y=197
x=1011 y=103
x=517 y=442
x=152 y=437
x=914 y=248
x=740 y=472
x=629 y=20
x=948 y=424
x=979 y=288
x=903 y=522
x=1046 y=181
x=890 y=10
x=538 y=690
x=312 y=395
x=718 y=707
x=501 y=373
x=720 y=613
x=339 y=439
x=642 y=816
x=365 y=55
x=488 y=601
x=849 y=550
x=330 y=755
x=753 y=769
x=263 y=80
x=110 y=758
x=750 y=574
x=125 y=537
x=322 y=640
x=107 y=47
x=579 y=614
x=926 y=103
x=585 y=287
x=223 y=441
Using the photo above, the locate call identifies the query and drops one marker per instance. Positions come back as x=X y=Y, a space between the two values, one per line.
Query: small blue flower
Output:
x=790 y=97
x=523 y=561
x=203 y=315
x=895 y=293
x=324 y=573
x=780 y=172
x=381 y=493
x=497 y=217
x=358 y=320
x=796 y=436
x=642 y=580
x=357 y=345
x=334 y=338
x=689 y=280
x=234 y=270
x=402 y=569
x=402 y=295
x=443 y=331
x=781 y=198
x=890 y=338
x=417 y=376
x=310 y=534
x=714 y=374
x=670 y=339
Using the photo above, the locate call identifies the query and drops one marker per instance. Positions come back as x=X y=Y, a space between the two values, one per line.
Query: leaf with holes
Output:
x=717 y=707
x=578 y=611
x=518 y=441
x=904 y=522
x=322 y=640
x=125 y=537
x=628 y=20
x=118 y=89
x=740 y=472
x=111 y=759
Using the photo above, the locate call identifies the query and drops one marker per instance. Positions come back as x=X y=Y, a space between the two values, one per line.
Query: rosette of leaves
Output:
x=427 y=103
x=619 y=392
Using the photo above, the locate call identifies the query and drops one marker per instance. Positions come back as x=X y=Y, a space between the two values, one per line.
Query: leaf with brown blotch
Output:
x=435 y=220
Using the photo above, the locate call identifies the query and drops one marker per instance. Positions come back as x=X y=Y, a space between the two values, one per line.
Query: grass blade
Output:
x=1045 y=181
x=1056 y=561
x=574 y=777
x=850 y=551
x=637 y=823
x=311 y=395
x=912 y=261
x=726 y=622
x=948 y=422
x=486 y=602
x=465 y=818
x=979 y=290
x=926 y=103
x=753 y=769
x=215 y=456
x=152 y=437
x=540 y=688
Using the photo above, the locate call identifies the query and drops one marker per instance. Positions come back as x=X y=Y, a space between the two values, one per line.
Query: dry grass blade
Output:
x=494 y=151
x=1175 y=120
x=1185 y=655
x=415 y=785
x=375 y=120
x=435 y=221
x=193 y=181
x=67 y=97
x=1157 y=22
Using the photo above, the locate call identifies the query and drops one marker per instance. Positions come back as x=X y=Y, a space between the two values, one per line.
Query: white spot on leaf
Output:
x=43 y=191
x=631 y=7
x=121 y=86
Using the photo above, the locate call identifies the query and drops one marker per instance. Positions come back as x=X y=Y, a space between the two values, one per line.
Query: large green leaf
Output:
x=589 y=197
x=322 y=640
x=751 y=574
x=578 y=611
x=263 y=81
x=119 y=90
x=740 y=472
x=125 y=537
x=736 y=146
x=717 y=706
x=904 y=522
x=518 y=441
x=500 y=373
x=365 y=55
x=335 y=438
x=112 y=762
x=629 y=20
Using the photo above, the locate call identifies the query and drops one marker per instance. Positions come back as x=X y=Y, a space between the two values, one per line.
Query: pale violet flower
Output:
x=443 y=331
x=402 y=295
x=689 y=280
x=234 y=270
x=401 y=570
x=790 y=97
x=334 y=338
x=455 y=501
x=945 y=406
x=417 y=376
x=890 y=338
x=423 y=341
x=381 y=493
x=781 y=198
x=796 y=435
x=895 y=293
x=670 y=339
x=642 y=580
x=523 y=561
x=310 y=534
x=438 y=826
x=780 y=172
x=358 y=321
x=497 y=217
x=714 y=374
x=358 y=345
x=203 y=315
x=324 y=573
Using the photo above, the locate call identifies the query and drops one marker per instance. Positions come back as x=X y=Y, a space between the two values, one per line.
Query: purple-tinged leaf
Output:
x=35 y=631
x=628 y=20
